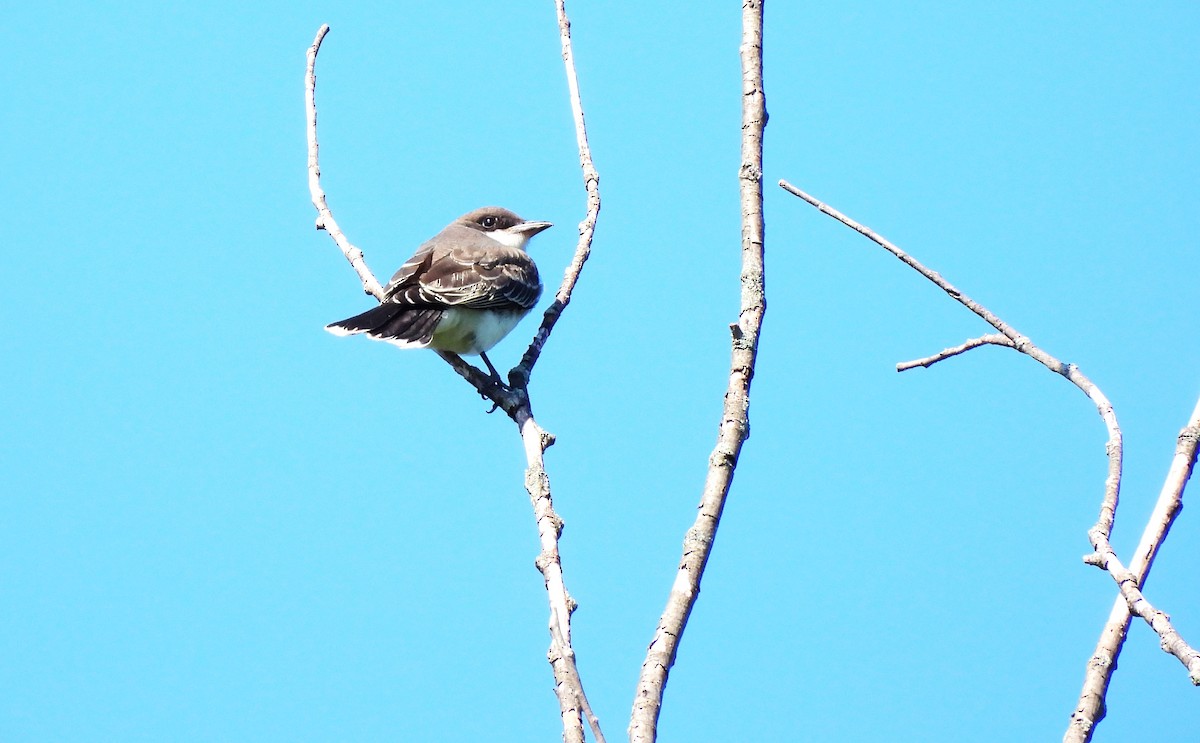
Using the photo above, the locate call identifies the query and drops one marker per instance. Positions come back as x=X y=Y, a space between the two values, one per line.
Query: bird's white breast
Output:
x=468 y=331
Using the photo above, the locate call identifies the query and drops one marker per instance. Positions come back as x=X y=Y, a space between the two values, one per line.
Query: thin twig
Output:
x=325 y=220
x=992 y=339
x=1103 y=555
x=735 y=422
x=587 y=228
x=1091 y=708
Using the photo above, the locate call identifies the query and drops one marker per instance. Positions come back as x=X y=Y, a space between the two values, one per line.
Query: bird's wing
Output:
x=465 y=269
x=412 y=267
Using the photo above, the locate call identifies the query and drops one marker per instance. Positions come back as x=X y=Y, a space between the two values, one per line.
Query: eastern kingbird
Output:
x=462 y=291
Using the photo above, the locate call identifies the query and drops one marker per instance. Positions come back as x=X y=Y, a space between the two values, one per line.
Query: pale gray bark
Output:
x=735 y=422
x=1091 y=708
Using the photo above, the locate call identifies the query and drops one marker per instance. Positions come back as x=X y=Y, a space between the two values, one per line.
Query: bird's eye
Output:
x=489 y=222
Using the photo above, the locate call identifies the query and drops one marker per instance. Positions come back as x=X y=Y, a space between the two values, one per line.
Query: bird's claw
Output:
x=497 y=386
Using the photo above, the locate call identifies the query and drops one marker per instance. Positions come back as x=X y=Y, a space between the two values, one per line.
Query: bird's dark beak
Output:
x=531 y=228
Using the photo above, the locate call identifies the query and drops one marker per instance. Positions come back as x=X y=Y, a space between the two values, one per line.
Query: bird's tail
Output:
x=392 y=322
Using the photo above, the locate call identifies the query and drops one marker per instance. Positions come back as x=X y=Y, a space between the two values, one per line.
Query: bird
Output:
x=463 y=290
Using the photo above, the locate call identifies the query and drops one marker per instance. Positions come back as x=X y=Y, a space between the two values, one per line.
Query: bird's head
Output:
x=502 y=226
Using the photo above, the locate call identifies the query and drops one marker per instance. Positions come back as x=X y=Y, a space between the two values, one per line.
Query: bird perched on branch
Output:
x=462 y=291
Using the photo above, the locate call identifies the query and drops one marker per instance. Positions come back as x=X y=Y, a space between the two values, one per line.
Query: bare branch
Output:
x=1103 y=555
x=567 y=685
x=993 y=339
x=735 y=423
x=587 y=228
x=1170 y=498
x=325 y=220
x=933 y=276
x=1091 y=709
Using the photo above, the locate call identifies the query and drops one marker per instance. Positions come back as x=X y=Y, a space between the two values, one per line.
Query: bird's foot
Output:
x=497 y=386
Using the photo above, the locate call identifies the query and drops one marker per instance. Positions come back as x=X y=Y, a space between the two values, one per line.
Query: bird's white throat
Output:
x=510 y=239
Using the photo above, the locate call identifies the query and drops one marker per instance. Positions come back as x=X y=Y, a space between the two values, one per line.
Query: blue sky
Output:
x=219 y=522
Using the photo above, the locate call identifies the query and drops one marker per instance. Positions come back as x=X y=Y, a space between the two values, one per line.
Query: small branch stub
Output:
x=993 y=339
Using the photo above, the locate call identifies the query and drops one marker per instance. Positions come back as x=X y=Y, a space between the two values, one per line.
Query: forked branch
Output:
x=1103 y=555
x=587 y=228
x=512 y=398
x=1091 y=709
